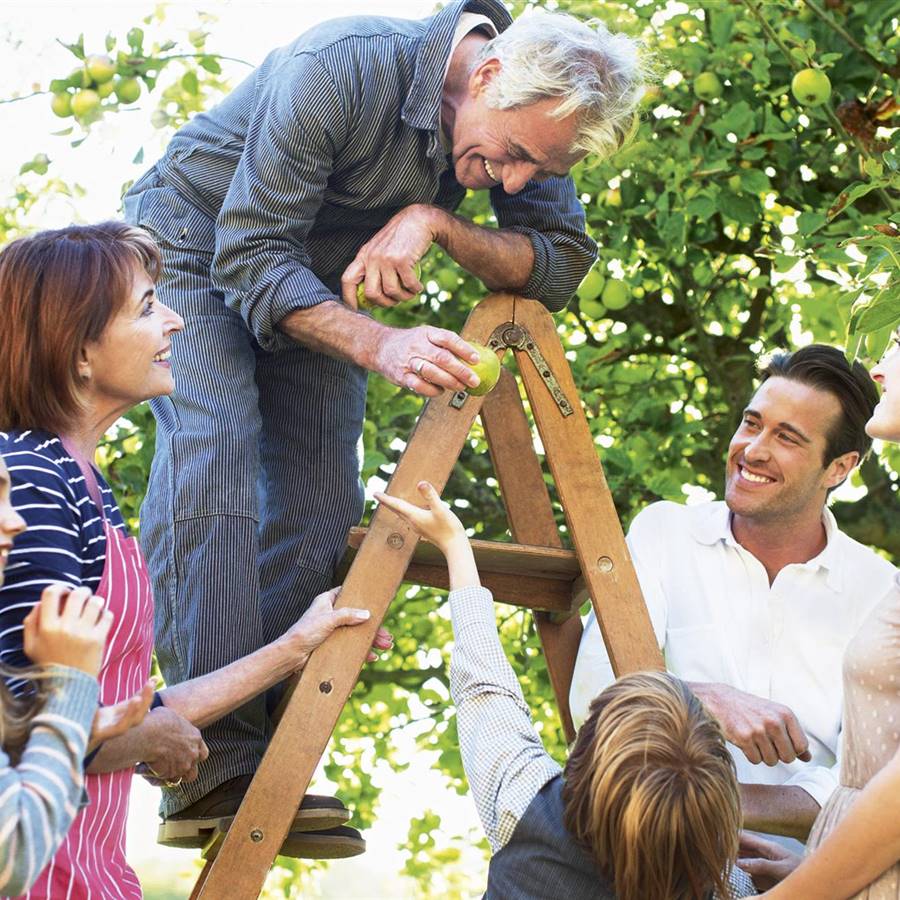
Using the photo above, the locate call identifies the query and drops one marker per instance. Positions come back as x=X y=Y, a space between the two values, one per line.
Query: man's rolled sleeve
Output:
x=550 y=215
x=261 y=260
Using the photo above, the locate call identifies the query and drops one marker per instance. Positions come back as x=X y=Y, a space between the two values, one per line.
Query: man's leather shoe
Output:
x=191 y=827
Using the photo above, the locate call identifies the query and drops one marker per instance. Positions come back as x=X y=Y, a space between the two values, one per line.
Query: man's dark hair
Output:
x=826 y=369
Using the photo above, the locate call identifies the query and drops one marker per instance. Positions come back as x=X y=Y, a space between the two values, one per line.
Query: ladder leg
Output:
x=587 y=502
x=531 y=521
x=263 y=820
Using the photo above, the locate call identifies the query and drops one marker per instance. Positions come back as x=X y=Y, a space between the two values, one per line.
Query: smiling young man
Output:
x=339 y=162
x=755 y=598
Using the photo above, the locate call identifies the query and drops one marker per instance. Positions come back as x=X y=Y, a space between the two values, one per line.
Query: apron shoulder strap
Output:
x=90 y=480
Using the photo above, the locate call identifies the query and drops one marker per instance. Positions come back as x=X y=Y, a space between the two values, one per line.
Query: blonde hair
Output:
x=651 y=792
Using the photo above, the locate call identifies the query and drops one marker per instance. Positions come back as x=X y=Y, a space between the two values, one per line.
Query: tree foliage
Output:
x=738 y=220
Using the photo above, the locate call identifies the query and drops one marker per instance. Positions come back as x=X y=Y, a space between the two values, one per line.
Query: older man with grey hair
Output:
x=338 y=163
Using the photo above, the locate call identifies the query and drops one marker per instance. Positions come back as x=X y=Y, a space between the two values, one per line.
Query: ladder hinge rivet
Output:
x=256 y=835
x=605 y=564
x=395 y=540
x=325 y=687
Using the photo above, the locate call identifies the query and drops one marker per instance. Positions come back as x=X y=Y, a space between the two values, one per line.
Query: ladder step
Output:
x=541 y=578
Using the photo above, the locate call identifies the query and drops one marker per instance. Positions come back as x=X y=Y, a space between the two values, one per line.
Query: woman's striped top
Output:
x=64 y=541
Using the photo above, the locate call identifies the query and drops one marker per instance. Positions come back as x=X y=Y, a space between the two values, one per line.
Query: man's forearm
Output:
x=125 y=751
x=502 y=259
x=336 y=330
x=778 y=809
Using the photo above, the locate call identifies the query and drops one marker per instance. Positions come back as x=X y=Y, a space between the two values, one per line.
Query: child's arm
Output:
x=502 y=754
x=65 y=633
x=40 y=796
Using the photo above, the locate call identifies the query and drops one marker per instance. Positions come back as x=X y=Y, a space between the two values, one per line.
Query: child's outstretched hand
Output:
x=436 y=523
x=67 y=627
x=111 y=721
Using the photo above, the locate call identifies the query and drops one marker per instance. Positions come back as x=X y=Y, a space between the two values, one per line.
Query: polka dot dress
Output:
x=871 y=724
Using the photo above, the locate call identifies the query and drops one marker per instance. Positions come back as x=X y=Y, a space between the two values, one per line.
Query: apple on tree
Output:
x=616 y=295
x=707 y=86
x=811 y=87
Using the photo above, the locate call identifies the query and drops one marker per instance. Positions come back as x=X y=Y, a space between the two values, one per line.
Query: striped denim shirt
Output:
x=316 y=150
x=40 y=796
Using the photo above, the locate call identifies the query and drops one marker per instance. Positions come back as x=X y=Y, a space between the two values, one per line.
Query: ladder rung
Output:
x=521 y=574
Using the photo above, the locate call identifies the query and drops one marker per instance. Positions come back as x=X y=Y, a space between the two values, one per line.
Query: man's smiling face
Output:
x=509 y=146
x=776 y=460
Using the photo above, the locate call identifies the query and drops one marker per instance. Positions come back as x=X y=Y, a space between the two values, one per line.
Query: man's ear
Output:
x=840 y=468
x=483 y=74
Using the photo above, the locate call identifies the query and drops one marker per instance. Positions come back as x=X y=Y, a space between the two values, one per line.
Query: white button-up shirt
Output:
x=717 y=619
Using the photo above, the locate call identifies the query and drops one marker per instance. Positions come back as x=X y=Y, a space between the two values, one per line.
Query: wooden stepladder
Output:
x=536 y=572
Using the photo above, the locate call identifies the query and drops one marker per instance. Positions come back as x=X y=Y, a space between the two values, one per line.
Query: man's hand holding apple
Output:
x=387 y=264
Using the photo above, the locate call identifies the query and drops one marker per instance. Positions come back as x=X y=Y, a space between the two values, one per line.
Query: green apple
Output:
x=593 y=309
x=100 y=68
x=734 y=182
x=592 y=286
x=811 y=87
x=105 y=90
x=61 y=104
x=128 y=90
x=707 y=86
x=363 y=302
x=85 y=102
x=487 y=369
x=614 y=197
x=616 y=295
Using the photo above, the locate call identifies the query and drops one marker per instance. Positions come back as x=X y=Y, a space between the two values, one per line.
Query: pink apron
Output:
x=90 y=863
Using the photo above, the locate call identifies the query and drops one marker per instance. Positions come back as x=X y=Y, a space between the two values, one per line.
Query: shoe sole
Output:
x=340 y=843
x=192 y=834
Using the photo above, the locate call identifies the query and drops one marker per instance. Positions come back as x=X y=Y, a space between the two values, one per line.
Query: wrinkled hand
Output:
x=764 y=861
x=764 y=730
x=111 y=721
x=321 y=619
x=436 y=522
x=387 y=261
x=175 y=749
x=68 y=627
x=426 y=360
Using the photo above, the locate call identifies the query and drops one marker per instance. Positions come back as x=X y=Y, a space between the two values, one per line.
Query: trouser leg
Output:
x=200 y=518
x=312 y=409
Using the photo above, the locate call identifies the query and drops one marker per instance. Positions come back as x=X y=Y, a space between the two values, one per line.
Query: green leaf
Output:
x=138 y=157
x=76 y=49
x=877 y=341
x=211 y=64
x=882 y=311
x=739 y=119
x=849 y=197
x=110 y=43
x=190 y=83
x=755 y=181
x=808 y=222
x=873 y=168
x=721 y=25
x=701 y=207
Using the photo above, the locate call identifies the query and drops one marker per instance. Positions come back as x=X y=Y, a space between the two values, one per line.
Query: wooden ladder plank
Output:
x=587 y=502
x=531 y=519
x=539 y=578
x=310 y=715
